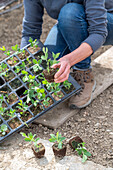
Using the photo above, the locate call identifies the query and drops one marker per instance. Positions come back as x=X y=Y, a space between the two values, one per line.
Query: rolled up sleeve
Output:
x=96 y=16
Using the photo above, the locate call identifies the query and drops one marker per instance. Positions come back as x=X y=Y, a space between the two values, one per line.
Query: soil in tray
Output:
x=26 y=116
x=11 y=99
x=30 y=63
x=12 y=61
x=5 y=90
x=22 y=56
x=4 y=104
x=1 y=67
x=38 y=55
x=50 y=102
x=16 y=70
x=59 y=95
x=36 y=110
x=15 y=83
x=35 y=73
x=14 y=123
x=49 y=76
x=9 y=76
x=68 y=90
x=21 y=91
x=1 y=81
x=33 y=49
x=21 y=77
x=1 y=121
x=5 y=115
x=6 y=132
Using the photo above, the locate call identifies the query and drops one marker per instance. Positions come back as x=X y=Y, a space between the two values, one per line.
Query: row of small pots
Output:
x=39 y=153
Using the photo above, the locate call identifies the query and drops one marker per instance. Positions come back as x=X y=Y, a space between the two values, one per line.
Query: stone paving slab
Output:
x=103 y=71
x=21 y=157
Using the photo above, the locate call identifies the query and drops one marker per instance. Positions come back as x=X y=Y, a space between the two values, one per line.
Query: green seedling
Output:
x=2 y=109
x=35 y=91
x=23 y=52
x=22 y=106
x=81 y=150
x=66 y=84
x=28 y=61
x=37 y=66
x=3 y=129
x=58 y=139
x=45 y=57
x=49 y=62
x=11 y=113
x=27 y=78
x=34 y=43
x=55 y=57
x=46 y=101
x=16 y=49
x=3 y=69
x=8 y=53
x=13 y=60
x=31 y=138
x=53 y=87
x=20 y=67
x=3 y=49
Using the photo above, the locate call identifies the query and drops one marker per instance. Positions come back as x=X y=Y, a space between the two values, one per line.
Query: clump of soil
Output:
x=49 y=76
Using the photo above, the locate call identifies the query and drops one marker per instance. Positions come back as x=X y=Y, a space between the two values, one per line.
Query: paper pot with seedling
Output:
x=38 y=148
x=81 y=150
x=59 y=148
x=74 y=141
x=49 y=72
x=78 y=145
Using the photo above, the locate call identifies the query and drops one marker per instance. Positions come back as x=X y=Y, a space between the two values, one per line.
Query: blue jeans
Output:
x=71 y=30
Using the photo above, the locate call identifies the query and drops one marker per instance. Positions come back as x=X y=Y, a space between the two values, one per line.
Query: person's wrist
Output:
x=69 y=59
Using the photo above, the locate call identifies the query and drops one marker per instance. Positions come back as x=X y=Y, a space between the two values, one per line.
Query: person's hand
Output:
x=64 y=70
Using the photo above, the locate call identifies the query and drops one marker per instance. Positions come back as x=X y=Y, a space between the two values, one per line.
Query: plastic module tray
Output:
x=17 y=91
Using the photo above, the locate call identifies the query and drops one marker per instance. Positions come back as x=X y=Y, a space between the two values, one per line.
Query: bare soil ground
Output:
x=94 y=124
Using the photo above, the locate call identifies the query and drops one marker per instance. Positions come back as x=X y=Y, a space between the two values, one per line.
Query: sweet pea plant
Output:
x=31 y=138
x=81 y=150
x=48 y=60
x=57 y=139
x=3 y=129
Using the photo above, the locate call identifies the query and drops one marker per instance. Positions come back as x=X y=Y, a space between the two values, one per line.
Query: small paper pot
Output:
x=50 y=76
x=59 y=152
x=39 y=153
x=74 y=141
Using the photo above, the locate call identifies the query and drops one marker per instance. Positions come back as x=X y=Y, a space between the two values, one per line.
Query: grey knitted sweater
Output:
x=96 y=16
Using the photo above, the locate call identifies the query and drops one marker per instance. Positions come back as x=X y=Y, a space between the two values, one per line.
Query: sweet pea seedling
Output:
x=58 y=138
x=31 y=138
x=81 y=150
x=22 y=106
x=3 y=129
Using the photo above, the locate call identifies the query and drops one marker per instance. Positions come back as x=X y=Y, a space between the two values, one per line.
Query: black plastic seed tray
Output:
x=13 y=86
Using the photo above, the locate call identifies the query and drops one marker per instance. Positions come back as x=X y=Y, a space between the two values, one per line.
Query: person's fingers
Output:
x=60 y=81
x=56 y=65
x=61 y=69
x=64 y=76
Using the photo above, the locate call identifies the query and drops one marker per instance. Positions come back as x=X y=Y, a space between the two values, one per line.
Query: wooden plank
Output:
x=103 y=71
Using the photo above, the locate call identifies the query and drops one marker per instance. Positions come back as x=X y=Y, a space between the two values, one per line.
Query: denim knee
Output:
x=71 y=12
